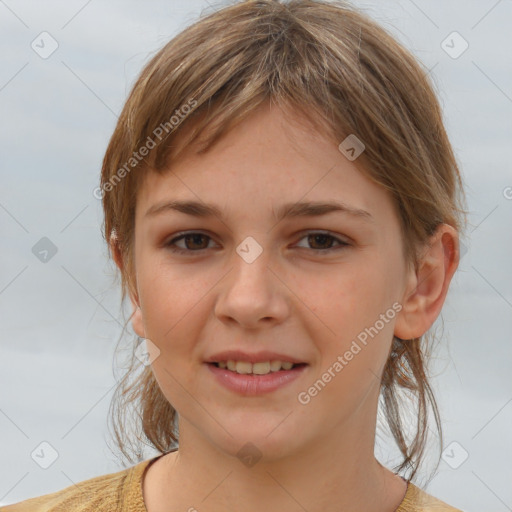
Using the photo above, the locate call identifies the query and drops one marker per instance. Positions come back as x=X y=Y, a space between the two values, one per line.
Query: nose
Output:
x=252 y=294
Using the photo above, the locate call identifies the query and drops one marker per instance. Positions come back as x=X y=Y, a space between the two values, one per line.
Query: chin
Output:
x=252 y=445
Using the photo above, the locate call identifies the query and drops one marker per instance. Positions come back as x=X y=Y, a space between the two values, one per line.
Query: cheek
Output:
x=355 y=305
x=174 y=316
x=171 y=301
x=347 y=300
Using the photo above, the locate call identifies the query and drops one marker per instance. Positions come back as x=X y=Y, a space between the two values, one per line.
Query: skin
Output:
x=291 y=299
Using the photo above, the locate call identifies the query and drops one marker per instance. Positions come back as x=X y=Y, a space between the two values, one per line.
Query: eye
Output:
x=191 y=239
x=317 y=238
x=195 y=241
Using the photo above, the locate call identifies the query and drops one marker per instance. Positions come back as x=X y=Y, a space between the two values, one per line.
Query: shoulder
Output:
x=417 y=500
x=105 y=493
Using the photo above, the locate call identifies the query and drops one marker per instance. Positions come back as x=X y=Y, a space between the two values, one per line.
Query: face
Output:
x=311 y=287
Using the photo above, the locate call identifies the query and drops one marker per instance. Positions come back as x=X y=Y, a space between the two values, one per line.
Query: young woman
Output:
x=284 y=207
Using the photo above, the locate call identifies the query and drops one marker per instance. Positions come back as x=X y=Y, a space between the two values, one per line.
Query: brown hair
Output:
x=346 y=75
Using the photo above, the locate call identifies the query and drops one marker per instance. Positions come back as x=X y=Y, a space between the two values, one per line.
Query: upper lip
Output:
x=256 y=357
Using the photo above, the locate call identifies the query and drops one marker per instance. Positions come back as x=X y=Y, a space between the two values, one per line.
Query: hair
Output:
x=338 y=70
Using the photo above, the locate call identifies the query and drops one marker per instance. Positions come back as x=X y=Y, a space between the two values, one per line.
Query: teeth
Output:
x=242 y=367
x=263 y=368
x=275 y=366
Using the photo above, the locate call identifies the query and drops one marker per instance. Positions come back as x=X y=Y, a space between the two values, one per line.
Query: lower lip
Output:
x=251 y=385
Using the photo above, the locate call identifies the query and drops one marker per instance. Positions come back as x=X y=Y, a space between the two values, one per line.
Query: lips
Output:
x=253 y=385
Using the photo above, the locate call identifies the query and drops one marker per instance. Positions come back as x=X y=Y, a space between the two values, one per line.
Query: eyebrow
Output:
x=299 y=209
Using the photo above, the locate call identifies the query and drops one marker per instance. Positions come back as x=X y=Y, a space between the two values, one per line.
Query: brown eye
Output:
x=193 y=242
x=323 y=242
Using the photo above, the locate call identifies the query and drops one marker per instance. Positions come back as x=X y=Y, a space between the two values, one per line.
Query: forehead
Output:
x=268 y=160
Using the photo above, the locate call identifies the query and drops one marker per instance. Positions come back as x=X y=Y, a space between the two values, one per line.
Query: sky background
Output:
x=61 y=319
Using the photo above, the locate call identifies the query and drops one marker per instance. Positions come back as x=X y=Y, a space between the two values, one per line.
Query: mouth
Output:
x=252 y=379
x=261 y=368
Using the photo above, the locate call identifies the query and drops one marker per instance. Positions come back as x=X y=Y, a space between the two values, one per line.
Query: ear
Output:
x=136 y=318
x=427 y=286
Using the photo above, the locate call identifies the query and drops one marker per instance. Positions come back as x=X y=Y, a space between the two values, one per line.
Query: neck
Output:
x=334 y=473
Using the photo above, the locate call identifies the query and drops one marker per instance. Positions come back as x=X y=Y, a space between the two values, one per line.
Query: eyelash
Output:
x=170 y=244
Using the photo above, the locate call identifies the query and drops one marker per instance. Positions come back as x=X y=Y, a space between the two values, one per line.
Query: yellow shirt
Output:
x=122 y=491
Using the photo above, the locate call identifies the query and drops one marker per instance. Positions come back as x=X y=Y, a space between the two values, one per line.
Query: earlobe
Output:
x=427 y=286
x=137 y=321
